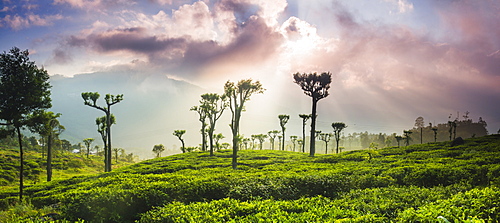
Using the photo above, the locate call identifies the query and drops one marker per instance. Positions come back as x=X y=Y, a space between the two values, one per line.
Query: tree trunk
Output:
x=312 y=142
x=283 y=140
x=49 y=157
x=421 y=135
x=303 y=136
x=337 y=141
x=235 y=130
x=108 y=129
x=211 y=139
x=21 y=164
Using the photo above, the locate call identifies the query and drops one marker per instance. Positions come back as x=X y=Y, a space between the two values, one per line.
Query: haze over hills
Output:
x=155 y=105
x=145 y=117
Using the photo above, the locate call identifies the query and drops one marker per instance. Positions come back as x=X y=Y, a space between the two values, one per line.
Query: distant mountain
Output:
x=153 y=106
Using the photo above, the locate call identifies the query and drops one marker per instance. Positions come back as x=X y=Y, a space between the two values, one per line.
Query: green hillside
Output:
x=419 y=183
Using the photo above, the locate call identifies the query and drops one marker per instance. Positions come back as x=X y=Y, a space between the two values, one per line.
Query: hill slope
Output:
x=415 y=183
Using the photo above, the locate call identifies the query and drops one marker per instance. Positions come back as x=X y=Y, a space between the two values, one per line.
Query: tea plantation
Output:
x=421 y=183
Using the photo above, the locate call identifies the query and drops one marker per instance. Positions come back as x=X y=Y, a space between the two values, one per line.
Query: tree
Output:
x=217 y=138
x=325 y=137
x=24 y=90
x=261 y=138
x=419 y=123
x=179 y=134
x=435 y=130
x=253 y=138
x=398 y=139
x=102 y=126
x=225 y=145
x=237 y=95
x=294 y=140
x=158 y=149
x=407 y=137
x=90 y=99
x=245 y=142
x=116 y=150
x=452 y=129
x=46 y=124
x=315 y=86
x=283 y=120
x=337 y=128
x=304 y=121
x=88 y=142
x=202 y=113
x=214 y=105
x=272 y=136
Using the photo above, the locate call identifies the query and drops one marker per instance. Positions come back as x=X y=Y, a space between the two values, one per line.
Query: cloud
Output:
x=189 y=41
x=100 y=6
x=17 y=22
x=403 y=5
x=60 y=56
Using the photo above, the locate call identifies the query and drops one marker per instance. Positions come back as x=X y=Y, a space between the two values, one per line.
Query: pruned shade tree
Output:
x=337 y=129
x=272 y=137
x=90 y=99
x=179 y=134
x=88 y=143
x=237 y=95
x=283 y=120
x=315 y=86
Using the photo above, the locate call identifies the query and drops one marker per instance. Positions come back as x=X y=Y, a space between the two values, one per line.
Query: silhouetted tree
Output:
x=47 y=125
x=294 y=140
x=435 y=130
x=419 y=123
x=452 y=129
x=202 y=113
x=214 y=105
x=90 y=99
x=237 y=95
x=24 y=90
x=88 y=142
x=407 y=137
x=102 y=126
x=283 y=120
x=272 y=136
x=337 y=128
x=398 y=139
x=158 y=149
x=315 y=86
x=304 y=118
x=325 y=137
x=179 y=134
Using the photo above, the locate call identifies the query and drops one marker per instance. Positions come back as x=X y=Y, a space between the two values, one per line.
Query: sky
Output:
x=391 y=60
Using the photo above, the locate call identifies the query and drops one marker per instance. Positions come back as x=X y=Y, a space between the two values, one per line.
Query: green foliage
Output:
x=418 y=183
x=470 y=206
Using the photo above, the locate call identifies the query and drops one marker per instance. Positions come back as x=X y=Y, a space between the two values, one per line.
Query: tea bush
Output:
x=277 y=186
